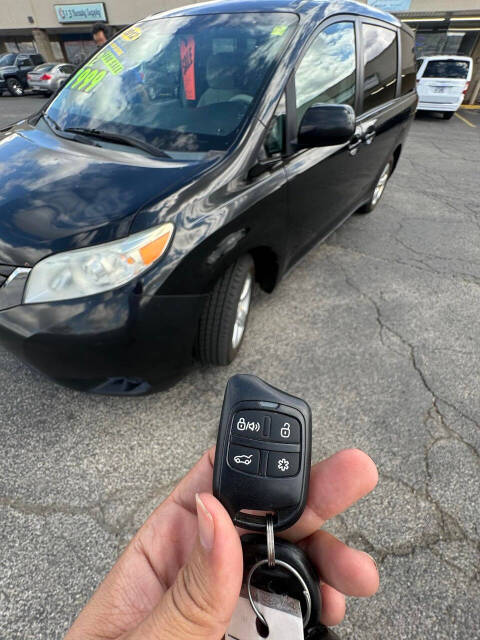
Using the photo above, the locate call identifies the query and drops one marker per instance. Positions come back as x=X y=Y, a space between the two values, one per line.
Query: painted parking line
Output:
x=470 y=124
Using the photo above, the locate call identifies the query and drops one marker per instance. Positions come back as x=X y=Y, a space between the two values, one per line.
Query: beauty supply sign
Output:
x=91 y=12
x=391 y=5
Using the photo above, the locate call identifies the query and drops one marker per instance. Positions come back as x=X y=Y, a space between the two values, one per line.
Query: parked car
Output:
x=47 y=78
x=13 y=71
x=201 y=150
x=442 y=82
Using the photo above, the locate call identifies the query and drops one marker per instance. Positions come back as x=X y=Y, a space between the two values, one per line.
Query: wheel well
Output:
x=396 y=156
x=266 y=267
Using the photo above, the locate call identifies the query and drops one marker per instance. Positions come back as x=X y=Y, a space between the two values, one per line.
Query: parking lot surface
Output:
x=377 y=329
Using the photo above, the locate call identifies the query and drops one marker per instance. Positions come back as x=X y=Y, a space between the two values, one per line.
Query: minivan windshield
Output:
x=181 y=84
x=7 y=60
x=447 y=69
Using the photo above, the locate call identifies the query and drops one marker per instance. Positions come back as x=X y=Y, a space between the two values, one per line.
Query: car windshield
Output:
x=182 y=84
x=7 y=59
x=447 y=69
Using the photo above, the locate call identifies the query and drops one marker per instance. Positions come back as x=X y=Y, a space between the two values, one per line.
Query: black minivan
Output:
x=199 y=151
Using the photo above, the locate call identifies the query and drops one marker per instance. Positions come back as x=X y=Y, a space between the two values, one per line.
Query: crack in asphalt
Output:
x=449 y=528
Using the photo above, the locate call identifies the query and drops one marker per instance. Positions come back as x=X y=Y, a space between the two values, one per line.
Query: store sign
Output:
x=391 y=5
x=91 y=12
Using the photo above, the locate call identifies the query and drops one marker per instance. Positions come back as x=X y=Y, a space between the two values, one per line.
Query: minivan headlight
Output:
x=83 y=272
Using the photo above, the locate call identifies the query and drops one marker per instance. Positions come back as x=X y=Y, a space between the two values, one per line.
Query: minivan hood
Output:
x=57 y=194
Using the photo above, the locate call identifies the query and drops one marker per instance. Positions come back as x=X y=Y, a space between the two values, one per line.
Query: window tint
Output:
x=327 y=70
x=447 y=69
x=408 y=63
x=380 y=59
x=275 y=138
x=419 y=63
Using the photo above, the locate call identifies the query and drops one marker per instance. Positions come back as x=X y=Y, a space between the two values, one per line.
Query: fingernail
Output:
x=206 y=528
x=372 y=559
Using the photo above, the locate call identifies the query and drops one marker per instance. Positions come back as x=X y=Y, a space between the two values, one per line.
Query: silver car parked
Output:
x=48 y=77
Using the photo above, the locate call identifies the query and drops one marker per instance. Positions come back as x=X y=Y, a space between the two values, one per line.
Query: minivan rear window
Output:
x=447 y=69
x=185 y=84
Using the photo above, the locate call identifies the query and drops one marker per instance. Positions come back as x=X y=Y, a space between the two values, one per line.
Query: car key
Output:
x=262 y=460
x=278 y=579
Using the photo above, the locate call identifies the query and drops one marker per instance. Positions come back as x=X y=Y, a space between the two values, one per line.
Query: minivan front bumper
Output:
x=119 y=342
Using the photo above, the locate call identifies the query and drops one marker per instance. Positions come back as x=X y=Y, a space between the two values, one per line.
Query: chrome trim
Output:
x=19 y=271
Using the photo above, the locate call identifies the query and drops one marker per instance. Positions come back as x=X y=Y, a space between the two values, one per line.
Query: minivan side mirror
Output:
x=324 y=125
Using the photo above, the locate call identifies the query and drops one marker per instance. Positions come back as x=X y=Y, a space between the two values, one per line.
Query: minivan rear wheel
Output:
x=224 y=318
x=15 y=87
x=447 y=115
x=378 y=189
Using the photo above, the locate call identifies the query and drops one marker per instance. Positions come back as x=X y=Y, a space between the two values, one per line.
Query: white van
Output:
x=442 y=82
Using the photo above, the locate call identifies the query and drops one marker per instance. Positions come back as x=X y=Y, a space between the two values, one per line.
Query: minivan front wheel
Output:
x=447 y=115
x=224 y=318
x=378 y=189
x=15 y=87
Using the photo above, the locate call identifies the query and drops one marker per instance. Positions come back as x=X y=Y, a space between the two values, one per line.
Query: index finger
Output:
x=335 y=484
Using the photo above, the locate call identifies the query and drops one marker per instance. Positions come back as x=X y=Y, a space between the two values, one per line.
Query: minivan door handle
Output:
x=370 y=134
x=355 y=143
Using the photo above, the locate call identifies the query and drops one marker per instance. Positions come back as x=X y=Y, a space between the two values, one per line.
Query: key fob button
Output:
x=249 y=424
x=244 y=459
x=282 y=464
x=285 y=429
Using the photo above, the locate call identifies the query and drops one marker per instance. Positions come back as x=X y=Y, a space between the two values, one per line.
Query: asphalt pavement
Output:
x=377 y=329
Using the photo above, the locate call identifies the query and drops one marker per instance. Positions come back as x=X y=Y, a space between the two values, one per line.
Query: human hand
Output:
x=180 y=576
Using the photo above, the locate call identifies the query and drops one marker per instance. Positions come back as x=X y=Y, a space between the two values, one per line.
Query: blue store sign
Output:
x=91 y=12
x=391 y=5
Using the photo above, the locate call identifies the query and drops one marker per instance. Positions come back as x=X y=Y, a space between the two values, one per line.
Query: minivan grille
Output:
x=5 y=271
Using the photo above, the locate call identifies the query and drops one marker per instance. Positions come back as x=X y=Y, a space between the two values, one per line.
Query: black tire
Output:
x=15 y=87
x=448 y=115
x=372 y=203
x=216 y=328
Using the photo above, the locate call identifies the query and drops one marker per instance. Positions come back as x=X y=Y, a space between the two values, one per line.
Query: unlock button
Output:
x=285 y=429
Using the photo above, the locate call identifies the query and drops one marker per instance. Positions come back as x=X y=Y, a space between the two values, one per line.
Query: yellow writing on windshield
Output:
x=116 y=48
x=279 y=30
x=111 y=62
x=131 y=34
x=87 y=79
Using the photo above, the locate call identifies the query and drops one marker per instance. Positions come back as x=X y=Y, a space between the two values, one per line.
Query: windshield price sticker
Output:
x=131 y=34
x=87 y=79
x=187 y=57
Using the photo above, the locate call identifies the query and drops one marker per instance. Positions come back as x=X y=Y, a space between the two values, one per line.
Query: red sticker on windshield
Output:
x=187 y=57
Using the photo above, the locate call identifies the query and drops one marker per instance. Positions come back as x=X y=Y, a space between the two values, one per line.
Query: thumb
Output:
x=201 y=602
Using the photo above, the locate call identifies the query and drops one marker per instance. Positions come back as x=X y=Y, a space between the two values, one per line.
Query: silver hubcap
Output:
x=242 y=311
x=16 y=88
x=377 y=194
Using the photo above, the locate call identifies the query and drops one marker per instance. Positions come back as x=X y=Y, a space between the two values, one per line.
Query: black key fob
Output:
x=263 y=455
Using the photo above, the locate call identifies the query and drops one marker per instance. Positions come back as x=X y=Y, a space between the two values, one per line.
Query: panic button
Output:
x=285 y=429
x=282 y=464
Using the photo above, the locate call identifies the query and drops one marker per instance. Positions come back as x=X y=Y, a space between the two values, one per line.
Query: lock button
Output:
x=285 y=429
x=251 y=424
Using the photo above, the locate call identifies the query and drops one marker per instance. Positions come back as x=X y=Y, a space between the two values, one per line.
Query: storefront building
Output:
x=63 y=31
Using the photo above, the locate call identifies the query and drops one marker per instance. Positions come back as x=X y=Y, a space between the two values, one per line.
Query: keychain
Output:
x=262 y=464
